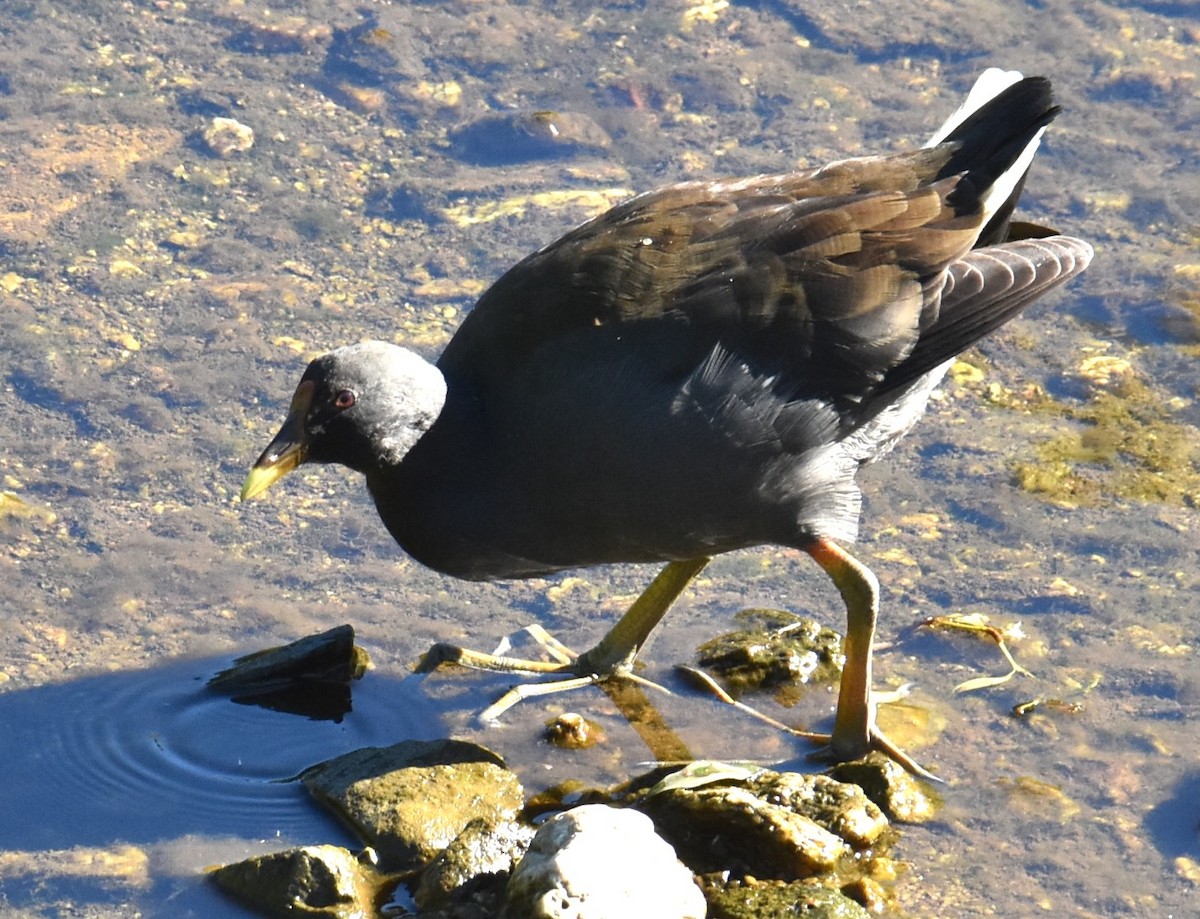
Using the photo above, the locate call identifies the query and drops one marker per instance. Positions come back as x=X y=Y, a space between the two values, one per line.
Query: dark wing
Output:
x=795 y=269
x=829 y=278
x=983 y=290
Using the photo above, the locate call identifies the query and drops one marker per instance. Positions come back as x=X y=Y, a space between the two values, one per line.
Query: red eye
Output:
x=345 y=399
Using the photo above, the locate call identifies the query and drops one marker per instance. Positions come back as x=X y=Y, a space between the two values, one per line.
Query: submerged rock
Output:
x=516 y=137
x=409 y=801
x=600 y=862
x=571 y=731
x=226 y=136
x=773 y=649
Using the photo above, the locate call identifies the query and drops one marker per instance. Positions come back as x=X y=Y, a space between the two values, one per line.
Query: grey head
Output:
x=363 y=406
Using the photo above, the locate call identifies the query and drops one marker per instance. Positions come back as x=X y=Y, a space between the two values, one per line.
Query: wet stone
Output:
x=600 y=862
x=571 y=731
x=898 y=794
x=868 y=892
x=409 y=801
x=773 y=648
x=310 y=676
x=773 y=900
x=731 y=828
x=467 y=878
x=840 y=807
x=763 y=824
x=318 y=881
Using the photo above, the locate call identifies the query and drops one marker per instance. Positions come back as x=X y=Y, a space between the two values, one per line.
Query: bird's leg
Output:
x=612 y=656
x=860 y=591
x=854 y=730
x=617 y=649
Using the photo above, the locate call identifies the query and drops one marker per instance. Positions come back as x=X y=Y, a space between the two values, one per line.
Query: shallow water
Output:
x=157 y=305
x=148 y=762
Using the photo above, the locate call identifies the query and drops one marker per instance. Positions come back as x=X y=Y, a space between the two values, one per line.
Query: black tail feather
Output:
x=989 y=143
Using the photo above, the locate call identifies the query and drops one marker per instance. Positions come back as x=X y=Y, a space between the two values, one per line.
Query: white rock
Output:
x=599 y=862
x=227 y=136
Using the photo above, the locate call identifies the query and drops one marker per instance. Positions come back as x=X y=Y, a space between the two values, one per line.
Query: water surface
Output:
x=157 y=304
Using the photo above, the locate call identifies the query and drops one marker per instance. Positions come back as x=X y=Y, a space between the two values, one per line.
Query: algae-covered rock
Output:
x=316 y=881
x=773 y=648
x=901 y=796
x=571 y=731
x=409 y=801
x=762 y=823
x=727 y=827
x=475 y=866
x=773 y=900
x=840 y=807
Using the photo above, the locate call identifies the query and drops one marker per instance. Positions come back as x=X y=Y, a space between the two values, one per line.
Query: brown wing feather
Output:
x=830 y=271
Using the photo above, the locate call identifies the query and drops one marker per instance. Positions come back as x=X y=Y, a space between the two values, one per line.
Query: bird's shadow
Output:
x=1174 y=825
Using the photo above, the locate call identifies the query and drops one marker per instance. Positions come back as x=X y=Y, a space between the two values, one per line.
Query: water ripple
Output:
x=152 y=755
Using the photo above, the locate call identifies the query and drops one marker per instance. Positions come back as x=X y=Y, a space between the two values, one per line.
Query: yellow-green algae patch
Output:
x=1127 y=443
x=126 y=864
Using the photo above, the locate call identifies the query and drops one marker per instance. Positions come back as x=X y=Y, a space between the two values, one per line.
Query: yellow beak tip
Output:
x=261 y=478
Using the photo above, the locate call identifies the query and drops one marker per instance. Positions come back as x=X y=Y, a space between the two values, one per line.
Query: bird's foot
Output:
x=574 y=669
x=833 y=752
x=500 y=661
x=855 y=734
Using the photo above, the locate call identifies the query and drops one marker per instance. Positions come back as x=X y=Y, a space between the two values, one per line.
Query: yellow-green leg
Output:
x=612 y=656
x=616 y=650
x=854 y=732
x=854 y=729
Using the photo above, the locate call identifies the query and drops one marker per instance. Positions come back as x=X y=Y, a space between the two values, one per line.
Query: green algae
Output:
x=1127 y=443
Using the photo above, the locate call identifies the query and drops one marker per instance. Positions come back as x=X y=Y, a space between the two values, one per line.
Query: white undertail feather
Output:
x=990 y=84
